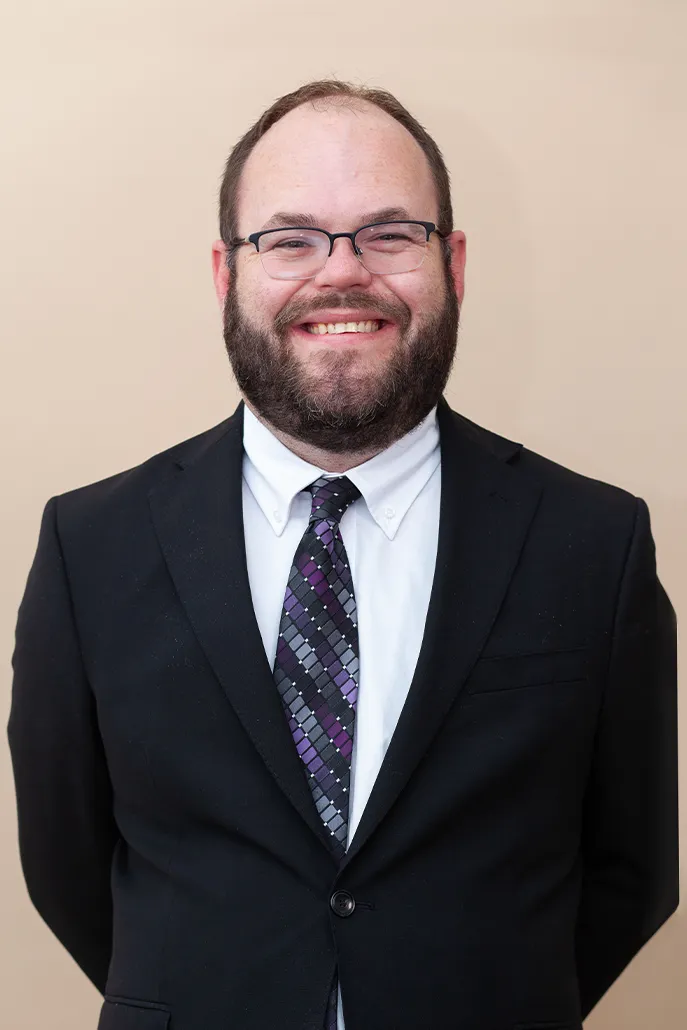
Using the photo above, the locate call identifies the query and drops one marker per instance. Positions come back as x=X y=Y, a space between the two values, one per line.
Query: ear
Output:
x=457 y=243
x=220 y=272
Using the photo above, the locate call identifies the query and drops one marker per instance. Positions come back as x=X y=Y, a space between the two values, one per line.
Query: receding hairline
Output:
x=319 y=96
x=352 y=103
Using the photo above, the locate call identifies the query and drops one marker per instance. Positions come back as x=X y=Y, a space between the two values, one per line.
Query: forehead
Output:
x=335 y=162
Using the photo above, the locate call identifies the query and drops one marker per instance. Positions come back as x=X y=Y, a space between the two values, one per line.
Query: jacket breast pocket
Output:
x=129 y=1014
x=539 y=668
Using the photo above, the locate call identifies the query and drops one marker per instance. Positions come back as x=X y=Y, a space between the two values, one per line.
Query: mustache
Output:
x=296 y=310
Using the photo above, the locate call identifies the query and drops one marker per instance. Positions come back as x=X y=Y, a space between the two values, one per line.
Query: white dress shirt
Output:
x=390 y=535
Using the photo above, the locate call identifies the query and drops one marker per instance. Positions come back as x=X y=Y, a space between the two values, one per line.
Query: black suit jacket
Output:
x=520 y=842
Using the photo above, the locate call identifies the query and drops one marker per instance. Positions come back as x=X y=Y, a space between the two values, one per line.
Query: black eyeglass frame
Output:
x=254 y=237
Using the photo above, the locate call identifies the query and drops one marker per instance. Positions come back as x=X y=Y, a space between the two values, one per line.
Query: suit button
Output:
x=342 y=903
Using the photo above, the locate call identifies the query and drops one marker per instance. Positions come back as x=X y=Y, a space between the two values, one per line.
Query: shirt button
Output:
x=277 y=515
x=342 y=903
x=389 y=512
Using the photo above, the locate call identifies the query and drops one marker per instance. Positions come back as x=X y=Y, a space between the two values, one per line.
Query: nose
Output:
x=342 y=268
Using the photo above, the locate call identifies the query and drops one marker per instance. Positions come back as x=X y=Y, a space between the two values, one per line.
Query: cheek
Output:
x=424 y=295
x=262 y=301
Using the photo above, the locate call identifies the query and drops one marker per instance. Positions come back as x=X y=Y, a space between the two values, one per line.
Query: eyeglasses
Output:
x=383 y=248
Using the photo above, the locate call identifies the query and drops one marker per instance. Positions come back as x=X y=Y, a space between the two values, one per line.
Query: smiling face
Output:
x=338 y=168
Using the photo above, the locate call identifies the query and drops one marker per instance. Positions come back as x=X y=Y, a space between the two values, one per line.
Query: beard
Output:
x=328 y=403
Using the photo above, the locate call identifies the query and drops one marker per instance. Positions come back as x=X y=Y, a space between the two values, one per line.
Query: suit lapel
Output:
x=198 y=517
x=485 y=511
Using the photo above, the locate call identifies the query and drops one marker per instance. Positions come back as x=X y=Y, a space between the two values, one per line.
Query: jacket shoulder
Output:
x=557 y=480
x=136 y=481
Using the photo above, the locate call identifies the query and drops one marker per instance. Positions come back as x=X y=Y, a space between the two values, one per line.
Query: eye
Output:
x=293 y=244
x=389 y=241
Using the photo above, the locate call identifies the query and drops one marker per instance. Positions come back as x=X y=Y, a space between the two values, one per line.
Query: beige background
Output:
x=563 y=123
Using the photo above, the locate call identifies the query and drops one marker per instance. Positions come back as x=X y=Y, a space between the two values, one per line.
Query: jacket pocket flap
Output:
x=131 y=1015
x=506 y=672
x=547 y=1026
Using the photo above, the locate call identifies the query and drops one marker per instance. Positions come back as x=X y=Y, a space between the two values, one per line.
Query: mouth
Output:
x=337 y=328
x=344 y=332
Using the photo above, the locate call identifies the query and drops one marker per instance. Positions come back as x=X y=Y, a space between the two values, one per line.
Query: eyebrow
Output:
x=281 y=219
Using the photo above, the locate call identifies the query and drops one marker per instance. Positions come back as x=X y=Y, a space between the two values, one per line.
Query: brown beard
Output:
x=333 y=408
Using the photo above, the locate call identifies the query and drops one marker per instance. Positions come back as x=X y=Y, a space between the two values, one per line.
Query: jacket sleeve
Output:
x=67 y=831
x=630 y=827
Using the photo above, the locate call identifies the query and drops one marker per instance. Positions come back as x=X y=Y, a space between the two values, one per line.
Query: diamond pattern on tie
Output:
x=316 y=665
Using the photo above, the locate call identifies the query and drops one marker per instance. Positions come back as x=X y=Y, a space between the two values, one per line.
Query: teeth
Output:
x=321 y=328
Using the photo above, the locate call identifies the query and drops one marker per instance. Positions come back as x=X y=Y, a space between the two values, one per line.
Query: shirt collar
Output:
x=389 y=482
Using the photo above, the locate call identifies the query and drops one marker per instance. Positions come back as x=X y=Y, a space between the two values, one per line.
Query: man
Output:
x=346 y=712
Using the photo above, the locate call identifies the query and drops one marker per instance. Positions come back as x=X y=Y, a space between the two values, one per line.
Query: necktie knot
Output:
x=331 y=498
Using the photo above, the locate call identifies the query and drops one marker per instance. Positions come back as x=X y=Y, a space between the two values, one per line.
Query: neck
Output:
x=341 y=461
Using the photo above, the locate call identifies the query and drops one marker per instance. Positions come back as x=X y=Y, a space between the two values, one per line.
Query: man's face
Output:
x=350 y=391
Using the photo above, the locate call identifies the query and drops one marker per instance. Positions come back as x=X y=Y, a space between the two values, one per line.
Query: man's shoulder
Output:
x=137 y=481
x=561 y=485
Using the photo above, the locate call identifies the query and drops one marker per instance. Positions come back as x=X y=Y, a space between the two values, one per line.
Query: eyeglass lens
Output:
x=384 y=249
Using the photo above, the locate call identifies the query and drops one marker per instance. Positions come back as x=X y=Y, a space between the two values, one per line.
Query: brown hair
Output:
x=343 y=92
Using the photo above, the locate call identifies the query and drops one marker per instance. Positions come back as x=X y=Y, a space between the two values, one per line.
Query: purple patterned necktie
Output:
x=316 y=666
